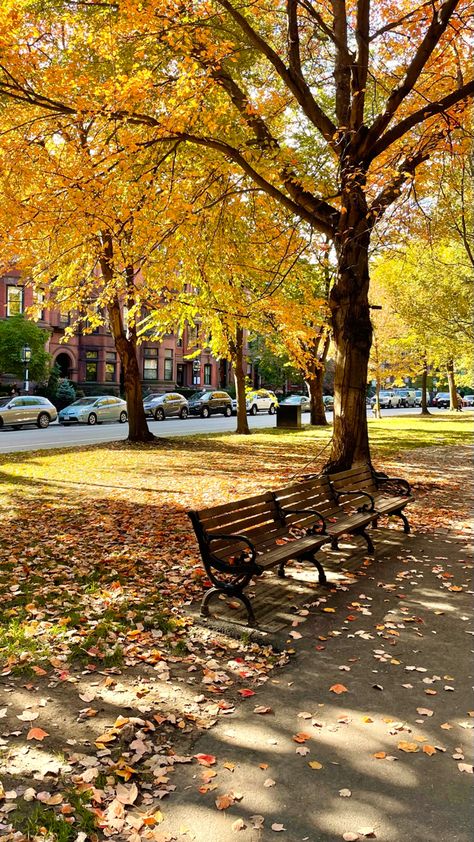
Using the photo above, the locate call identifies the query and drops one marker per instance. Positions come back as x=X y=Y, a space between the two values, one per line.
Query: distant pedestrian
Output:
x=458 y=403
x=13 y=391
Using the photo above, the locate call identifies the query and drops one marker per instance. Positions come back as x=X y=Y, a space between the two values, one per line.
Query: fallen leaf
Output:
x=277 y=827
x=338 y=689
x=429 y=750
x=205 y=759
x=269 y=782
x=246 y=693
x=257 y=821
x=262 y=709
x=424 y=711
x=223 y=802
x=301 y=737
x=36 y=734
x=28 y=715
x=380 y=755
x=239 y=824
x=466 y=767
x=314 y=764
x=408 y=747
x=349 y=836
x=345 y=793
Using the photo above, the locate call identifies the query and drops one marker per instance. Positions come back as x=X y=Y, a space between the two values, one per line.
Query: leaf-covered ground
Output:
x=106 y=681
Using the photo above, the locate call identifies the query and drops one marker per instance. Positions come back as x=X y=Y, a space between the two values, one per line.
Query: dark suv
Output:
x=210 y=403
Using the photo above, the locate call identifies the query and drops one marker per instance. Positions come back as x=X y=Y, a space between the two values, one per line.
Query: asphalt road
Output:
x=12 y=441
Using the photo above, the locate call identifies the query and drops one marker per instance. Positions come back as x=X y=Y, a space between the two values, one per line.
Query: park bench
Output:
x=372 y=492
x=242 y=539
x=314 y=498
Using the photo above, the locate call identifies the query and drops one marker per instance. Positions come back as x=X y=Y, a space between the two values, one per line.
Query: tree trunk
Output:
x=314 y=382
x=453 y=401
x=127 y=350
x=352 y=330
x=237 y=350
x=377 y=411
x=126 y=345
x=424 y=400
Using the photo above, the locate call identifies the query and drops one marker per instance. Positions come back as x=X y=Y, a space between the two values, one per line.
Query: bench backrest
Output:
x=258 y=518
x=315 y=493
x=358 y=477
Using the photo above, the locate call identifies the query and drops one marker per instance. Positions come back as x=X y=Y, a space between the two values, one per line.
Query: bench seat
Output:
x=372 y=491
x=242 y=539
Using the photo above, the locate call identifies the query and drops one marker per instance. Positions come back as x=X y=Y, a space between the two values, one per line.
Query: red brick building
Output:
x=90 y=359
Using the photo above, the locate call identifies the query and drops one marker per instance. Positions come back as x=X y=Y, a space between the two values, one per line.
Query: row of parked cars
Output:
x=15 y=412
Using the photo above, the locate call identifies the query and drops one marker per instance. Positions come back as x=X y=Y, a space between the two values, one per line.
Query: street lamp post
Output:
x=26 y=358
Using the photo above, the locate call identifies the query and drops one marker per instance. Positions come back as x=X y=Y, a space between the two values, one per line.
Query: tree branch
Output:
x=429 y=110
x=295 y=84
x=432 y=36
x=342 y=71
x=293 y=37
x=360 y=68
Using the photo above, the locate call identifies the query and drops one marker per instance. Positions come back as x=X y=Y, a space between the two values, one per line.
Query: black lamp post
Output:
x=26 y=358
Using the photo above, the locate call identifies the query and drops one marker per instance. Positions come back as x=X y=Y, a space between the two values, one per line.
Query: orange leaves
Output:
x=205 y=759
x=37 y=734
x=245 y=693
x=338 y=689
x=301 y=737
x=408 y=747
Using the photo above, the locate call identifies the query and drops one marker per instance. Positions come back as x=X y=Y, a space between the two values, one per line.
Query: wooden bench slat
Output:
x=230 y=507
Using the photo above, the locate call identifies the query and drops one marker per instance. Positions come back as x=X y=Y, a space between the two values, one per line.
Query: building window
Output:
x=14 y=301
x=39 y=299
x=207 y=374
x=150 y=363
x=179 y=342
x=110 y=366
x=64 y=319
x=168 y=374
x=92 y=366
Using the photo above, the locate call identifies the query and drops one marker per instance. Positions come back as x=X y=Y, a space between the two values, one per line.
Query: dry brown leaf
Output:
x=338 y=689
x=408 y=747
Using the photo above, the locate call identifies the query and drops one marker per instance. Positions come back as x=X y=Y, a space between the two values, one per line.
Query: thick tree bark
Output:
x=453 y=400
x=126 y=345
x=314 y=381
x=237 y=351
x=377 y=410
x=352 y=330
x=424 y=399
x=127 y=350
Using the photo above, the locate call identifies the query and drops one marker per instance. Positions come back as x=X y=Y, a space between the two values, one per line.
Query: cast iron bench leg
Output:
x=237 y=595
x=281 y=570
x=322 y=575
x=363 y=534
x=406 y=525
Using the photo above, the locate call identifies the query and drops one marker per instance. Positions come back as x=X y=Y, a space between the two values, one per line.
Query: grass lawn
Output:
x=97 y=565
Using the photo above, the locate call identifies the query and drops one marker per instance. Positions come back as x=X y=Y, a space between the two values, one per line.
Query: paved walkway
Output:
x=368 y=731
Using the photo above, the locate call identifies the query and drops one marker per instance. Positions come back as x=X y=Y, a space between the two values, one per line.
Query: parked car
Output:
x=387 y=399
x=18 y=411
x=94 y=410
x=407 y=397
x=297 y=400
x=166 y=406
x=261 y=400
x=205 y=403
x=418 y=394
x=328 y=401
x=442 y=400
x=468 y=400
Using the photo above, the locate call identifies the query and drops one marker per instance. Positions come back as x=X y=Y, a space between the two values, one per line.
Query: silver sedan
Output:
x=94 y=410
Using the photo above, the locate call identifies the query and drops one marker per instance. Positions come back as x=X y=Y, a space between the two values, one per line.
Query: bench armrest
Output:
x=321 y=531
x=396 y=485
x=366 y=507
x=239 y=539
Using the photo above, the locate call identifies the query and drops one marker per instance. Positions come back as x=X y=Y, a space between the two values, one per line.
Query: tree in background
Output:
x=429 y=288
x=322 y=107
x=15 y=333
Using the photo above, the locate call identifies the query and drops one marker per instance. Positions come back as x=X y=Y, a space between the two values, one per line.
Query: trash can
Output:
x=289 y=415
